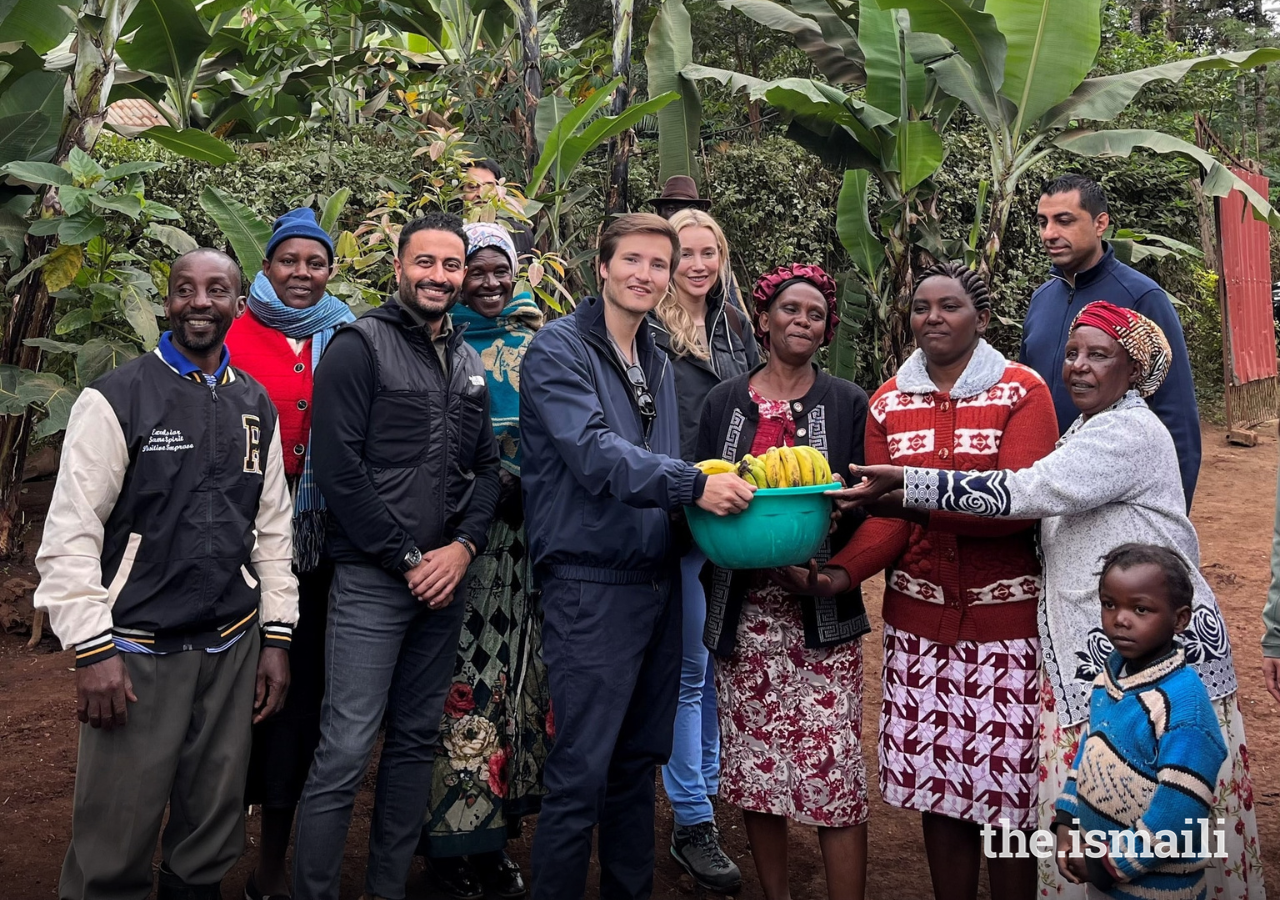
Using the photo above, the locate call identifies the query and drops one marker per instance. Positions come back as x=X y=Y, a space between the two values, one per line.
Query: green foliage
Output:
x=107 y=274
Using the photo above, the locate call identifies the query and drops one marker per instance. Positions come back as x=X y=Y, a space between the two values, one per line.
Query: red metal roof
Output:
x=131 y=113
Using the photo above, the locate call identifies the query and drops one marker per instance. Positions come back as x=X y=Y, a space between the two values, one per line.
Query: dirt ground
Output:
x=1233 y=510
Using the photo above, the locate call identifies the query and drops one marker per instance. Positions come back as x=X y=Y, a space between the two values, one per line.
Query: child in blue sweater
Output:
x=1146 y=766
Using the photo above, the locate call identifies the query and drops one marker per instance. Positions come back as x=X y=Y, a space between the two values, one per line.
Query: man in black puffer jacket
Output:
x=406 y=460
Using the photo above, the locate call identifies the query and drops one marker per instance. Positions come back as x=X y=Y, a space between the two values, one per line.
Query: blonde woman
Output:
x=709 y=341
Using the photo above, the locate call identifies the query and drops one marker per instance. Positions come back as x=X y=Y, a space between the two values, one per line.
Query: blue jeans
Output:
x=612 y=653
x=385 y=652
x=693 y=774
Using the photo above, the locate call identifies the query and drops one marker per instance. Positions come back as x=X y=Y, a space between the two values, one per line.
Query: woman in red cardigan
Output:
x=958 y=738
x=278 y=341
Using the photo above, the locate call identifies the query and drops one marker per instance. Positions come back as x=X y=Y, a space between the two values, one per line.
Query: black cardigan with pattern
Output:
x=832 y=418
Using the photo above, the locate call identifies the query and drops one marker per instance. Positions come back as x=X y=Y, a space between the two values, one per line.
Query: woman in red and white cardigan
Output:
x=958 y=738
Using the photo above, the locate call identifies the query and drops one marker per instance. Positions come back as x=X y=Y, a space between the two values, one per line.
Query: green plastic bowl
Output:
x=781 y=527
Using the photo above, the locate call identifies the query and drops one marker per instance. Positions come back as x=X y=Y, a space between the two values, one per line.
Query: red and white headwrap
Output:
x=1141 y=338
x=775 y=281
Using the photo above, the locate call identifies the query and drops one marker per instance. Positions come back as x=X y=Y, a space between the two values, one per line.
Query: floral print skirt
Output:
x=1238 y=877
x=791 y=719
x=496 y=732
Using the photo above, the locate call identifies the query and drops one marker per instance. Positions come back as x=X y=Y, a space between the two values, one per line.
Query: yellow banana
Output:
x=791 y=467
x=758 y=474
x=821 y=468
x=805 y=462
x=716 y=466
x=744 y=467
x=773 y=468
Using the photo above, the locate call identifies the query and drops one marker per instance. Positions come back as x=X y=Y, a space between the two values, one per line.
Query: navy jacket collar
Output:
x=185 y=367
x=589 y=317
x=1090 y=275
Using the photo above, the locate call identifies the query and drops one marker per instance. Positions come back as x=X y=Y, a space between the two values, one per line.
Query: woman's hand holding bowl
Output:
x=867 y=484
x=812 y=581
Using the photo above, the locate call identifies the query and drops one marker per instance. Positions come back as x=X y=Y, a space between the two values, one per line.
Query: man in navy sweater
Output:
x=1072 y=216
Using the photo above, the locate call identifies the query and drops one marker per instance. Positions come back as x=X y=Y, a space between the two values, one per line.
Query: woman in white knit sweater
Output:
x=1113 y=479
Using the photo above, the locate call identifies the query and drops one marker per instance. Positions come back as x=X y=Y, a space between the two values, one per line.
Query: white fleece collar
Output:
x=986 y=368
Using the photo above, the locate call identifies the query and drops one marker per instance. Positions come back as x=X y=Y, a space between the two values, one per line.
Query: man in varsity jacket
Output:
x=165 y=564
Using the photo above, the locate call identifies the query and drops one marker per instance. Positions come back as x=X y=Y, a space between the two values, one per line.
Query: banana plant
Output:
x=1019 y=66
x=889 y=137
x=669 y=51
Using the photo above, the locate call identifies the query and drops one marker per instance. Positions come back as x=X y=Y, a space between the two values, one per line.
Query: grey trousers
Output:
x=186 y=745
x=385 y=652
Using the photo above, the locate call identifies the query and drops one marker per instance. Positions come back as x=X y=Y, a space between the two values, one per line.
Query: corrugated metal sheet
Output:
x=133 y=113
x=1246 y=273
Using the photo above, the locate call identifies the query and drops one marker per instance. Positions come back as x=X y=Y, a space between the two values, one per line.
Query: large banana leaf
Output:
x=551 y=109
x=1102 y=99
x=565 y=128
x=679 y=122
x=245 y=230
x=836 y=146
x=831 y=59
x=1051 y=48
x=838 y=28
x=603 y=129
x=168 y=38
x=974 y=33
x=888 y=72
x=854 y=226
x=957 y=78
x=31 y=116
x=1218 y=180
x=40 y=24
x=191 y=143
x=802 y=97
x=918 y=153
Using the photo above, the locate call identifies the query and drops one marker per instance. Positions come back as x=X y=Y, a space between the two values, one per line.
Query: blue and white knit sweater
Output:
x=1147 y=762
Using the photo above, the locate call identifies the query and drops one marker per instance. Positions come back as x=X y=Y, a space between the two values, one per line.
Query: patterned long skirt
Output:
x=1238 y=877
x=791 y=719
x=496 y=731
x=958 y=728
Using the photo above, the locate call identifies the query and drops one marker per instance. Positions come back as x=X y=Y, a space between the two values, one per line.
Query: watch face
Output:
x=413 y=557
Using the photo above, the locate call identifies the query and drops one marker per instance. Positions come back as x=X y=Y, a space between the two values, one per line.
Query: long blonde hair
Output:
x=671 y=312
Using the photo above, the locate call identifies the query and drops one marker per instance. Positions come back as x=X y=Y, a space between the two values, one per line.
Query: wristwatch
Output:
x=411 y=559
x=466 y=542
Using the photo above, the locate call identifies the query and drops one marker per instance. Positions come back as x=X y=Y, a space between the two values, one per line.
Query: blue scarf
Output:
x=319 y=323
x=501 y=343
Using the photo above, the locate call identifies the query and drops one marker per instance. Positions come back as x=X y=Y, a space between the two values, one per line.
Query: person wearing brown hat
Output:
x=678 y=192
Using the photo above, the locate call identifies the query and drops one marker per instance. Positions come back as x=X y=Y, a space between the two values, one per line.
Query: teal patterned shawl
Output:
x=501 y=343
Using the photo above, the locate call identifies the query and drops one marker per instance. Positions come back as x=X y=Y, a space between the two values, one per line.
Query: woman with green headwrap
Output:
x=497 y=730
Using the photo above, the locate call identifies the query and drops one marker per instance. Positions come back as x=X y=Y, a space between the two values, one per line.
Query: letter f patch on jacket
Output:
x=252 y=444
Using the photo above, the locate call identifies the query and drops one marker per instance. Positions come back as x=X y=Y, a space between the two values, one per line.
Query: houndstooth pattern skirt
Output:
x=959 y=728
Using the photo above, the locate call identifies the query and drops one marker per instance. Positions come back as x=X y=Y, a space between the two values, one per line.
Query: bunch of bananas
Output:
x=778 y=467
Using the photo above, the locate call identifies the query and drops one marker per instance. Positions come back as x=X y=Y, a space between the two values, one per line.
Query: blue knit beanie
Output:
x=298 y=223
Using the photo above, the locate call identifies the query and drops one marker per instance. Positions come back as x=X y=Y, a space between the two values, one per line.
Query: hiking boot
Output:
x=697 y=849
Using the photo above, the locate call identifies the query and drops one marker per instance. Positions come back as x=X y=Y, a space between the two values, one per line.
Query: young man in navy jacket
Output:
x=1072 y=216
x=601 y=473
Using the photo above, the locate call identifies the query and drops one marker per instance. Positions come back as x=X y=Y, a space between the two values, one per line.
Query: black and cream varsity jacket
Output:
x=170 y=524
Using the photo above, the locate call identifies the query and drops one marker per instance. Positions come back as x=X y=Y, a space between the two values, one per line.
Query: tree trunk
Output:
x=531 y=63
x=1208 y=226
x=1170 y=26
x=31 y=316
x=1135 y=18
x=618 y=200
x=1259 y=109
